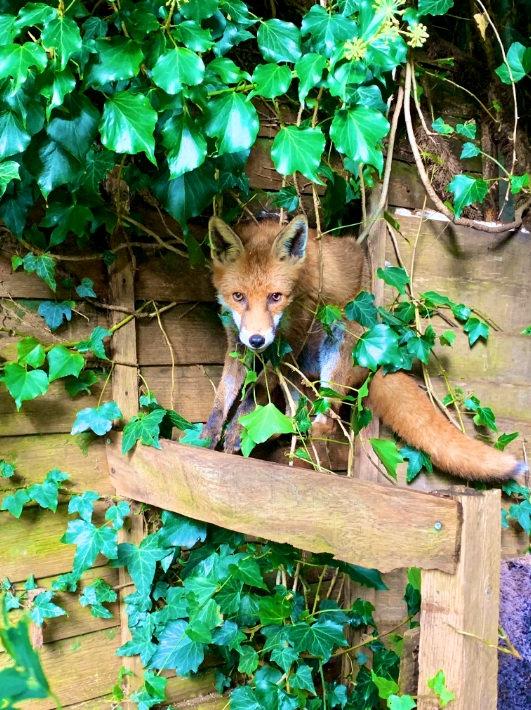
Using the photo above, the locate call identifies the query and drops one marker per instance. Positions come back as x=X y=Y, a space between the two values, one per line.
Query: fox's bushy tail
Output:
x=403 y=406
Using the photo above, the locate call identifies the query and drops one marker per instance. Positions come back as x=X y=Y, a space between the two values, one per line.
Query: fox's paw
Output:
x=212 y=429
x=233 y=439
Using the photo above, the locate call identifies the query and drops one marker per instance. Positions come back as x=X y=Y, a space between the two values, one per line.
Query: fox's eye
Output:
x=237 y=296
x=275 y=297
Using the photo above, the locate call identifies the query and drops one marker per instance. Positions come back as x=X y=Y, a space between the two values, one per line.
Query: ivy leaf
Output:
x=35 y=13
x=439 y=126
x=466 y=191
x=421 y=346
x=309 y=69
x=521 y=512
x=15 y=502
x=386 y=686
x=46 y=494
x=83 y=505
x=400 y=702
x=328 y=30
x=266 y=421
x=467 y=129
x=24 y=385
x=271 y=80
x=86 y=289
x=233 y=120
x=394 y=276
x=378 y=346
x=16 y=60
x=97 y=594
x=90 y=541
x=8 y=172
x=76 y=133
x=176 y=650
x=144 y=428
x=96 y=419
x=279 y=41
x=63 y=362
x=417 y=460
x=43 y=608
x=7 y=470
x=357 y=133
x=55 y=312
x=119 y=59
x=95 y=342
x=248 y=570
x=128 y=123
x=367 y=576
x=30 y=352
x=248 y=660
x=193 y=36
x=319 y=639
x=469 y=151
x=519 y=60
x=447 y=338
x=438 y=685
x=186 y=144
x=362 y=309
x=476 y=329
x=13 y=139
x=179 y=531
x=177 y=68
x=298 y=149
x=388 y=453
x=274 y=610
x=302 y=679
x=62 y=35
x=518 y=182
x=504 y=440
x=141 y=561
x=75 y=386
x=244 y=698
x=434 y=7
x=56 y=168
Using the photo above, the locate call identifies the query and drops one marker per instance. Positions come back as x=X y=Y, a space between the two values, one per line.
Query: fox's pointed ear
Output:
x=225 y=245
x=291 y=243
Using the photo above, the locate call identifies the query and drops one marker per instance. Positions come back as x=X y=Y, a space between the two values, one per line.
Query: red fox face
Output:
x=255 y=275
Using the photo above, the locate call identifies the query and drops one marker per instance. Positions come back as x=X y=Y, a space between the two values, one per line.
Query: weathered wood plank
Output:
x=52 y=414
x=194 y=388
x=77 y=669
x=392 y=528
x=459 y=612
x=179 y=690
x=20 y=284
x=171 y=278
x=41 y=553
x=79 y=620
x=34 y=456
x=195 y=333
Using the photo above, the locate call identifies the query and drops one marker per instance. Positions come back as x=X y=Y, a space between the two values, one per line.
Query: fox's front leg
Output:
x=228 y=389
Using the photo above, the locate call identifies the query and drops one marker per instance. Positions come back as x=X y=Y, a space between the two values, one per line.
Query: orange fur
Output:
x=256 y=262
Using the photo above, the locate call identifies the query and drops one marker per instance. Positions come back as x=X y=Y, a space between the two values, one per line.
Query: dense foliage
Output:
x=104 y=106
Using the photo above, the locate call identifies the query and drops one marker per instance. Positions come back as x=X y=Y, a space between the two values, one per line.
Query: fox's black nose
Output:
x=256 y=341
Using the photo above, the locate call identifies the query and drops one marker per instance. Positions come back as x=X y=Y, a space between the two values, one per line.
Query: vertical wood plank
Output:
x=459 y=612
x=125 y=394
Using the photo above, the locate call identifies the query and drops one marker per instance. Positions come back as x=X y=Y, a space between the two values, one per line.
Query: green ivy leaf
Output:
x=118 y=59
x=362 y=309
x=518 y=182
x=302 y=679
x=421 y=346
x=55 y=312
x=274 y=610
x=179 y=531
x=57 y=167
x=417 y=460
x=77 y=132
x=227 y=70
x=266 y=421
x=97 y=594
x=15 y=502
x=469 y=151
x=30 y=352
x=395 y=276
x=177 y=68
x=400 y=702
x=83 y=505
x=388 y=453
x=16 y=60
x=13 y=139
x=521 y=512
x=327 y=30
x=35 y=13
x=505 y=439
x=86 y=289
x=309 y=68
x=248 y=661
x=438 y=685
x=519 y=61
x=63 y=362
x=233 y=120
x=141 y=561
x=298 y=149
x=244 y=698
x=63 y=36
x=434 y=7
x=8 y=172
x=441 y=127
x=271 y=80
x=386 y=686
x=476 y=329
x=46 y=494
x=43 y=608
x=23 y=384
x=96 y=419
x=95 y=342
x=193 y=36
x=90 y=541
x=43 y=266
x=467 y=129
x=176 y=650
x=357 y=133
x=75 y=386
x=128 y=123
x=378 y=346
x=144 y=428
x=7 y=29
x=466 y=191
x=279 y=41
x=186 y=143
x=447 y=338
x=7 y=470
x=319 y=639
x=116 y=514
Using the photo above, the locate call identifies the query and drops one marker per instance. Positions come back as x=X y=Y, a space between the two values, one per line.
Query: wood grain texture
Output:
x=459 y=612
x=195 y=333
x=19 y=284
x=78 y=669
x=171 y=278
x=194 y=388
x=33 y=456
x=318 y=512
x=31 y=544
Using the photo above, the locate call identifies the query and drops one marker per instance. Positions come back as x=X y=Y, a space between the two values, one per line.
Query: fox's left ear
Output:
x=225 y=244
x=291 y=242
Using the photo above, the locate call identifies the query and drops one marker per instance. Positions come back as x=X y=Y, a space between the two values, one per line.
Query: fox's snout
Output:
x=258 y=339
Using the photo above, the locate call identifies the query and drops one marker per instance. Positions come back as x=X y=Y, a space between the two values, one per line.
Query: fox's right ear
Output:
x=225 y=244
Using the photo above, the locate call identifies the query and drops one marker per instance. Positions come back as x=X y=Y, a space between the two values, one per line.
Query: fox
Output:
x=270 y=282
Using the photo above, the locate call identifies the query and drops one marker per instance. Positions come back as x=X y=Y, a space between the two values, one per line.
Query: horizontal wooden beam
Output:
x=356 y=521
